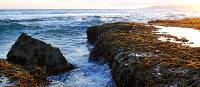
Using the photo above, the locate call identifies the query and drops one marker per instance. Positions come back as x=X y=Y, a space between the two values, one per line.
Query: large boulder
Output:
x=28 y=51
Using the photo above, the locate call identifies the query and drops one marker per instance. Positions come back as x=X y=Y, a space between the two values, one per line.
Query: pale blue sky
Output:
x=90 y=4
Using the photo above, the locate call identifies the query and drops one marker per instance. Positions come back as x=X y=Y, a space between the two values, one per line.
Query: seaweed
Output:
x=116 y=45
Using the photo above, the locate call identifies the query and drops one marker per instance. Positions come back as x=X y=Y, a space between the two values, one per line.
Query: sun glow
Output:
x=93 y=4
x=192 y=4
x=195 y=7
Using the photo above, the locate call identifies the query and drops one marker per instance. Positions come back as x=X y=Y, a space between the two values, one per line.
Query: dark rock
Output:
x=124 y=68
x=95 y=31
x=138 y=59
x=37 y=72
x=30 y=51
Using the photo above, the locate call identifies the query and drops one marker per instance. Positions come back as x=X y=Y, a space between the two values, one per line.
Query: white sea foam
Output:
x=188 y=33
x=65 y=29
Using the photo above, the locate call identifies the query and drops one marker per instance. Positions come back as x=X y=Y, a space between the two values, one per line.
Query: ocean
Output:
x=66 y=29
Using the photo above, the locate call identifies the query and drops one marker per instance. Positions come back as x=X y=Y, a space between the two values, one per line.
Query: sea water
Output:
x=66 y=29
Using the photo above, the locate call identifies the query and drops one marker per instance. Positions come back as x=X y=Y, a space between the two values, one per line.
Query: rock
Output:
x=186 y=22
x=138 y=59
x=108 y=47
x=30 y=51
x=32 y=75
x=95 y=31
x=37 y=72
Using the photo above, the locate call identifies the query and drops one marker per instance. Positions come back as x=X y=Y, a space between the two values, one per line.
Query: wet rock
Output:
x=29 y=75
x=37 y=72
x=123 y=62
x=138 y=59
x=95 y=31
x=187 y=23
x=30 y=51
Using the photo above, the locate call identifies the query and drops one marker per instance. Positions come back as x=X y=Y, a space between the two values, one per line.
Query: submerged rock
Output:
x=30 y=51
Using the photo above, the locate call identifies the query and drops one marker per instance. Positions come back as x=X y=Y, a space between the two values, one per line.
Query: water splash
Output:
x=66 y=29
x=4 y=82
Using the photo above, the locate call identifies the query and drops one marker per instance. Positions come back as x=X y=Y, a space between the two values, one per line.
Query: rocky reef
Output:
x=24 y=76
x=30 y=61
x=137 y=58
x=187 y=23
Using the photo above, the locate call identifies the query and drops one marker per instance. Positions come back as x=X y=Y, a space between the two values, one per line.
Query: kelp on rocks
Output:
x=24 y=76
x=187 y=23
x=137 y=58
x=30 y=61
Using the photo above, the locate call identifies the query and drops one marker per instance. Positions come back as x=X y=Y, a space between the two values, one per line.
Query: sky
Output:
x=92 y=4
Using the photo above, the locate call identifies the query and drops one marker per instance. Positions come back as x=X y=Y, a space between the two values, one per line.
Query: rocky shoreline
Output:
x=137 y=58
x=24 y=76
x=30 y=61
x=135 y=55
x=187 y=23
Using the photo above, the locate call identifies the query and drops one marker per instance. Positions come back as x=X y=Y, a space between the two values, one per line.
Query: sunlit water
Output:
x=190 y=34
x=66 y=29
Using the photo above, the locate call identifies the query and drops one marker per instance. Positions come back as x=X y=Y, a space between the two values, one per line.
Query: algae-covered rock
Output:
x=28 y=76
x=95 y=31
x=187 y=23
x=30 y=51
x=138 y=59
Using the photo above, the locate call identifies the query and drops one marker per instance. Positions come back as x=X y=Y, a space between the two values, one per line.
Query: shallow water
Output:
x=4 y=81
x=66 y=29
x=190 y=34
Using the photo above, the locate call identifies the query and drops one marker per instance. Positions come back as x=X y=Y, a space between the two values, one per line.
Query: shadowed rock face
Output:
x=28 y=50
